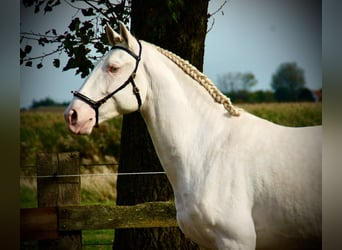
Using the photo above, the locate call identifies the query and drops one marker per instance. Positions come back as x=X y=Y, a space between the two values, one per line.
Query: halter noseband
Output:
x=96 y=104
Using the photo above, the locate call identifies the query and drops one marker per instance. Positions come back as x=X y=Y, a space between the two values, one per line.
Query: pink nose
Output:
x=80 y=120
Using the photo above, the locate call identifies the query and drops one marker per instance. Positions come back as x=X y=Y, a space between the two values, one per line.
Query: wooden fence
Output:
x=59 y=219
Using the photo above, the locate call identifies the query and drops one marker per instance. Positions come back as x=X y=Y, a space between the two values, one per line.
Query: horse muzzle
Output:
x=80 y=120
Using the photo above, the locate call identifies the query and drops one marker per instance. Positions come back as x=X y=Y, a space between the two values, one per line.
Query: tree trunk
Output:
x=179 y=26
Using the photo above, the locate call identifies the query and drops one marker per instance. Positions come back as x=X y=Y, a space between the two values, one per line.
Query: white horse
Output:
x=239 y=181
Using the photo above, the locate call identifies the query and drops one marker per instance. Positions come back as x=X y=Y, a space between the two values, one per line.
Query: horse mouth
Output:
x=82 y=129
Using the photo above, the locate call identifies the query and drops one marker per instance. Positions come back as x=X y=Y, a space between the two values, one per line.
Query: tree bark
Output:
x=179 y=26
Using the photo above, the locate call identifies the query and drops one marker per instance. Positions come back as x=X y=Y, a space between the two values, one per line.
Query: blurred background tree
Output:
x=237 y=86
x=233 y=82
x=288 y=83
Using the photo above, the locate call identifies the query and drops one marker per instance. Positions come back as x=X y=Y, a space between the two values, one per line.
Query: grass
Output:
x=98 y=189
x=288 y=114
x=97 y=239
x=45 y=131
x=94 y=189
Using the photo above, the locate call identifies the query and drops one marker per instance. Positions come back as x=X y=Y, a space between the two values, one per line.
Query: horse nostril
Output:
x=73 y=117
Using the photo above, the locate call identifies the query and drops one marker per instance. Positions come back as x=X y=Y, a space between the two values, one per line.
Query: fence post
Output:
x=58 y=191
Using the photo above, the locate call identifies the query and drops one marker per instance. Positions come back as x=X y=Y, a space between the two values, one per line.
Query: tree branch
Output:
x=215 y=12
x=97 y=9
x=79 y=40
x=59 y=49
x=71 y=5
x=212 y=25
x=23 y=34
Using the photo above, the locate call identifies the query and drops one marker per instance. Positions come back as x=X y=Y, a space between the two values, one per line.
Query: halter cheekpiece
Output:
x=96 y=104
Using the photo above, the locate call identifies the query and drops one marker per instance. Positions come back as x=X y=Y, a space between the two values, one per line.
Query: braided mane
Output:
x=202 y=80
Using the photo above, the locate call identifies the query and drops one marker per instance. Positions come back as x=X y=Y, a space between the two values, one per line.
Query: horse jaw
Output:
x=80 y=118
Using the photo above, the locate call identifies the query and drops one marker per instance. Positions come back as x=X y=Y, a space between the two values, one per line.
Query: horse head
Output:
x=115 y=86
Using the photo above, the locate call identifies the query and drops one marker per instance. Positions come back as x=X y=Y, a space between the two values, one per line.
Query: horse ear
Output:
x=113 y=37
x=125 y=34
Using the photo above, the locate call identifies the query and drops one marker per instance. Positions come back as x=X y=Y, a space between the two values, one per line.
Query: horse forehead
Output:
x=114 y=58
x=118 y=56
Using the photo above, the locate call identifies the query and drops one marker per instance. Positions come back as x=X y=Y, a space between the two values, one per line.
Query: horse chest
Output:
x=197 y=223
x=203 y=215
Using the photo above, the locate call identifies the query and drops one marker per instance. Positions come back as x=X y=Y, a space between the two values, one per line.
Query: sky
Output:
x=247 y=36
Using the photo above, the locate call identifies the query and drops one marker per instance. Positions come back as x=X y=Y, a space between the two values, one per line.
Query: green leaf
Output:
x=28 y=49
x=28 y=64
x=47 y=8
x=42 y=41
x=22 y=53
x=71 y=64
x=75 y=24
x=88 y=12
x=56 y=63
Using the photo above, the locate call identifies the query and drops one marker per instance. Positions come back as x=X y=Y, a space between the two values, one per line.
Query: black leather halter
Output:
x=96 y=104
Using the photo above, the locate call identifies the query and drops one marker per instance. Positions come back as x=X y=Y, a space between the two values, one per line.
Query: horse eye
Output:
x=112 y=69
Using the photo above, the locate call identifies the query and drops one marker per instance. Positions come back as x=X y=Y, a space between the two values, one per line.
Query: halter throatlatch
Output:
x=96 y=104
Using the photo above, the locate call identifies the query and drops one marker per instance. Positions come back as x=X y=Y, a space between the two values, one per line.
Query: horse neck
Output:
x=178 y=113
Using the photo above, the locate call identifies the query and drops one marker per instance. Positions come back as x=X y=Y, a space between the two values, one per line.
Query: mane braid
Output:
x=202 y=80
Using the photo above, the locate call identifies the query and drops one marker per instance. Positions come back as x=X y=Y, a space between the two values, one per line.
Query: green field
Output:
x=44 y=130
x=288 y=114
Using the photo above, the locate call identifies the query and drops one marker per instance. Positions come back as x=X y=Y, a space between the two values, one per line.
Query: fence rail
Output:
x=46 y=223
x=59 y=218
x=88 y=175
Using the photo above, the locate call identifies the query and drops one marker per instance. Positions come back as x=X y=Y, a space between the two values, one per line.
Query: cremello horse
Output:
x=239 y=181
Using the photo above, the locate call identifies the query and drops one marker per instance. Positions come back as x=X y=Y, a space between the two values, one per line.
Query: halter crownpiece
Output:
x=96 y=104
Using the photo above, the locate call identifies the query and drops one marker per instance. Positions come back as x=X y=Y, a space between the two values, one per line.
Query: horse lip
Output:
x=81 y=128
